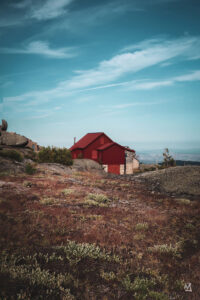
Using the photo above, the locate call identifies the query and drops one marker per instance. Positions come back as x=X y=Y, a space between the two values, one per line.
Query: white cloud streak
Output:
x=126 y=105
x=49 y=9
x=149 y=85
x=42 y=48
x=21 y=13
x=146 y=55
x=194 y=76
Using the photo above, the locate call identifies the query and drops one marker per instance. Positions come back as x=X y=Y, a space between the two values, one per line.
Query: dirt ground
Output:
x=71 y=234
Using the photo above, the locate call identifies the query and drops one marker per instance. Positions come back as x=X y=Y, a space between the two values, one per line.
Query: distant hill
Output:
x=186 y=163
x=180 y=163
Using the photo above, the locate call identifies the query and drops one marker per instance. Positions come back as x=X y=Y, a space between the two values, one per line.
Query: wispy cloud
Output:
x=193 y=76
x=42 y=48
x=149 y=85
x=43 y=10
x=41 y=116
x=106 y=74
x=49 y=9
x=26 y=11
x=147 y=54
x=126 y=105
x=94 y=15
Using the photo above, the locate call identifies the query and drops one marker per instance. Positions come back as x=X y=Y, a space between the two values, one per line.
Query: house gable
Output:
x=90 y=151
x=112 y=154
x=90 y=138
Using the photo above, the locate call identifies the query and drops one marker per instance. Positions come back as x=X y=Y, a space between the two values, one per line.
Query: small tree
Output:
x=168 y=159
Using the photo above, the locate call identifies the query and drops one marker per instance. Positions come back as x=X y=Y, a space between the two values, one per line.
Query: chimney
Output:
x=74 y=140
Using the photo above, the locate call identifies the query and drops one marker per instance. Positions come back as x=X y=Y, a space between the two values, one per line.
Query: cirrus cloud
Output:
x=108 y=72
x=42 y=48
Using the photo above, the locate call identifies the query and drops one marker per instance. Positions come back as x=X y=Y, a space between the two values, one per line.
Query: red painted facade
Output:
x=88 y=152
x=114 y=154
x=99 y=147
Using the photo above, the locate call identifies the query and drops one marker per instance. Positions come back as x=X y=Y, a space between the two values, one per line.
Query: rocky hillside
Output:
x=176 y=180
x=78 y=233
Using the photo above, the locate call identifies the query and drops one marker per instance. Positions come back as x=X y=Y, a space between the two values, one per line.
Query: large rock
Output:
x=4 y=126
x=12 y=139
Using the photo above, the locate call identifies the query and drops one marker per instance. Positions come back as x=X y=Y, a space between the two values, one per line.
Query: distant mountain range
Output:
x=186 y=163
x=181 y=157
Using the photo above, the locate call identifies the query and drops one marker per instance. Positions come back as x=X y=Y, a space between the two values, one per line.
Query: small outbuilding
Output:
x=113 y=157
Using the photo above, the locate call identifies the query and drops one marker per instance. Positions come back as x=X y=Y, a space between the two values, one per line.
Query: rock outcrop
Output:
x=11 y=138
x=4 y=126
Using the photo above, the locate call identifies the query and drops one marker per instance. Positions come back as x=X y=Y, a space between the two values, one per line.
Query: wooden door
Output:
x=114 y=169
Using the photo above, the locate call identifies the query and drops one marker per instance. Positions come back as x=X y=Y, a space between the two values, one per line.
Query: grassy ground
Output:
x=84 y=236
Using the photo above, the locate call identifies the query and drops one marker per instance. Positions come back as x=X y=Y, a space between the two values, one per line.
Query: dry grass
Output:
x=110 y=239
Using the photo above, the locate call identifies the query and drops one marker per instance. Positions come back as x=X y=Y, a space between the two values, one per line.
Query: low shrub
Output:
x=169 y=250
x=75 y=252
x=35 y=276
x=97 y=200
x=12 y=154
x=67 y=192
x=139 y=237
x=101 y=198
x=31 y=155
x=47 y=201
x=183 y=201
x=29 y=169
x=140 y=287
x=141 y=226
x=108 y=276
x=55 y=155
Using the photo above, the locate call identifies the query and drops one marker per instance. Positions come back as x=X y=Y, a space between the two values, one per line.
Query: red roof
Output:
x=91 y=137
x=86 y=140
x=105 y=146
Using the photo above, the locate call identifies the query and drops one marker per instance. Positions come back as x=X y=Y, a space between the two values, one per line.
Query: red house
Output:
x=99 y=147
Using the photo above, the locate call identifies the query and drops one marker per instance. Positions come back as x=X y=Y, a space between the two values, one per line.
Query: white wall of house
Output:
x=121 y=169
x=136 y=164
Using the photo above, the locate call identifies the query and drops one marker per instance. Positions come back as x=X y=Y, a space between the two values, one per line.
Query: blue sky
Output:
x=130 y=68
